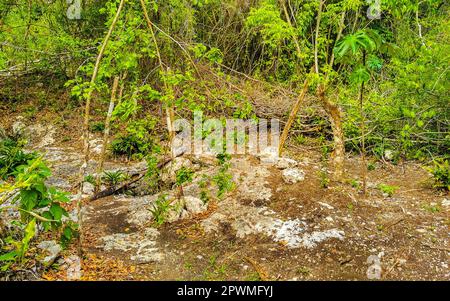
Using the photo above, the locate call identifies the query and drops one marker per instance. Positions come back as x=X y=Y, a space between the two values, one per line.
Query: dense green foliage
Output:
x=406 y=68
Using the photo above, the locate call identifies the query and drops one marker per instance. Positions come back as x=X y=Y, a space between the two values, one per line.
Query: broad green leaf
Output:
x=57 y=211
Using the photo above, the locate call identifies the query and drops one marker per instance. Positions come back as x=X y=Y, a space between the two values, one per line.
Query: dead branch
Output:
x=135 y=178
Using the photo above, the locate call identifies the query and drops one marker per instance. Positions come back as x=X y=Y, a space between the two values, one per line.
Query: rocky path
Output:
x=277 y=223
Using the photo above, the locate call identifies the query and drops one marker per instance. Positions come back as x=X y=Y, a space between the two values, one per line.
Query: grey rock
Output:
x=169 y=172
x=48 y=137
x=179 y=146
x=194 y=205
x=293 y=175
x=389 y=154
x=96 y=146
x=142 y=246
x=269 y=155
x=73 y=263
x=88 y=188
x=52 y=250
x=18 y=127
x=284 y=163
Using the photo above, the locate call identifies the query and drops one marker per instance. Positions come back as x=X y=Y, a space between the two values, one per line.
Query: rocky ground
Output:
x=278 y=223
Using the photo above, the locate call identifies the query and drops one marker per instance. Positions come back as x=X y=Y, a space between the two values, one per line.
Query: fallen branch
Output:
x=436 y=248
x=135 y=178
x=394 y=223
x=292 y=116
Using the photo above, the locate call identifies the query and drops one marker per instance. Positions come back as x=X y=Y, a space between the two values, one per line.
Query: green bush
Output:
x=161 y=209
x=388 y=189
x=97 y=127
x=12 y=156
x=113 y=178
x=223 y=179
x=137 y=141
x=39 y=206
x=441 y=174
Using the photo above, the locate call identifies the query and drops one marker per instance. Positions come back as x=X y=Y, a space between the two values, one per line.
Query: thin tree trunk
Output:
x=363 y=133
x=316 y=47
x=419 y=26
x=288 y=19
x=86 y=125
x=335 y=114
x=170 y=111
x=106 y=132
x=122 y=86
x=292 y=116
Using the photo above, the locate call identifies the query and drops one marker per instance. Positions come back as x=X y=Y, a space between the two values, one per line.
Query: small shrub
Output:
x=204 y=193
x=324 y=179
x=97 y=127
x=39 y=205
x=441 y=174
x=300 y=139
x=113 y=178
x=125 y=146
x=184 y=175
x=12 y=156
x=161 y=209
x=90 y=179
x=355 y=184
x=223 y=179
x=387 y=189
x=19 y=247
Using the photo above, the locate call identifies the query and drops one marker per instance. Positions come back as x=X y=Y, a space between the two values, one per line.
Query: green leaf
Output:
x=40 y=187
x=28 y=199
x=44 y=202
x=30 y=231
x=360 y=75
x=11 y=256
x=67 y=233
x=57 y=211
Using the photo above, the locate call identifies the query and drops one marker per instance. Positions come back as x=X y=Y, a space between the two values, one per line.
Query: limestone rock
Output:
x=96 y=146
x=88 y=188
x=194 y=205
x=19 y=126
x=293 y=175
x=73 y=263
x=179 y=146
x=143 y=246
x=52 y=250
x=269 y=155
x=389 y=154
x=169 y=172
x=47 y=137
x=284 y=163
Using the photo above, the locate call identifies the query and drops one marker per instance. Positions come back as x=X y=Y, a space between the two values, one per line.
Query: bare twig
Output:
x=86 y=124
